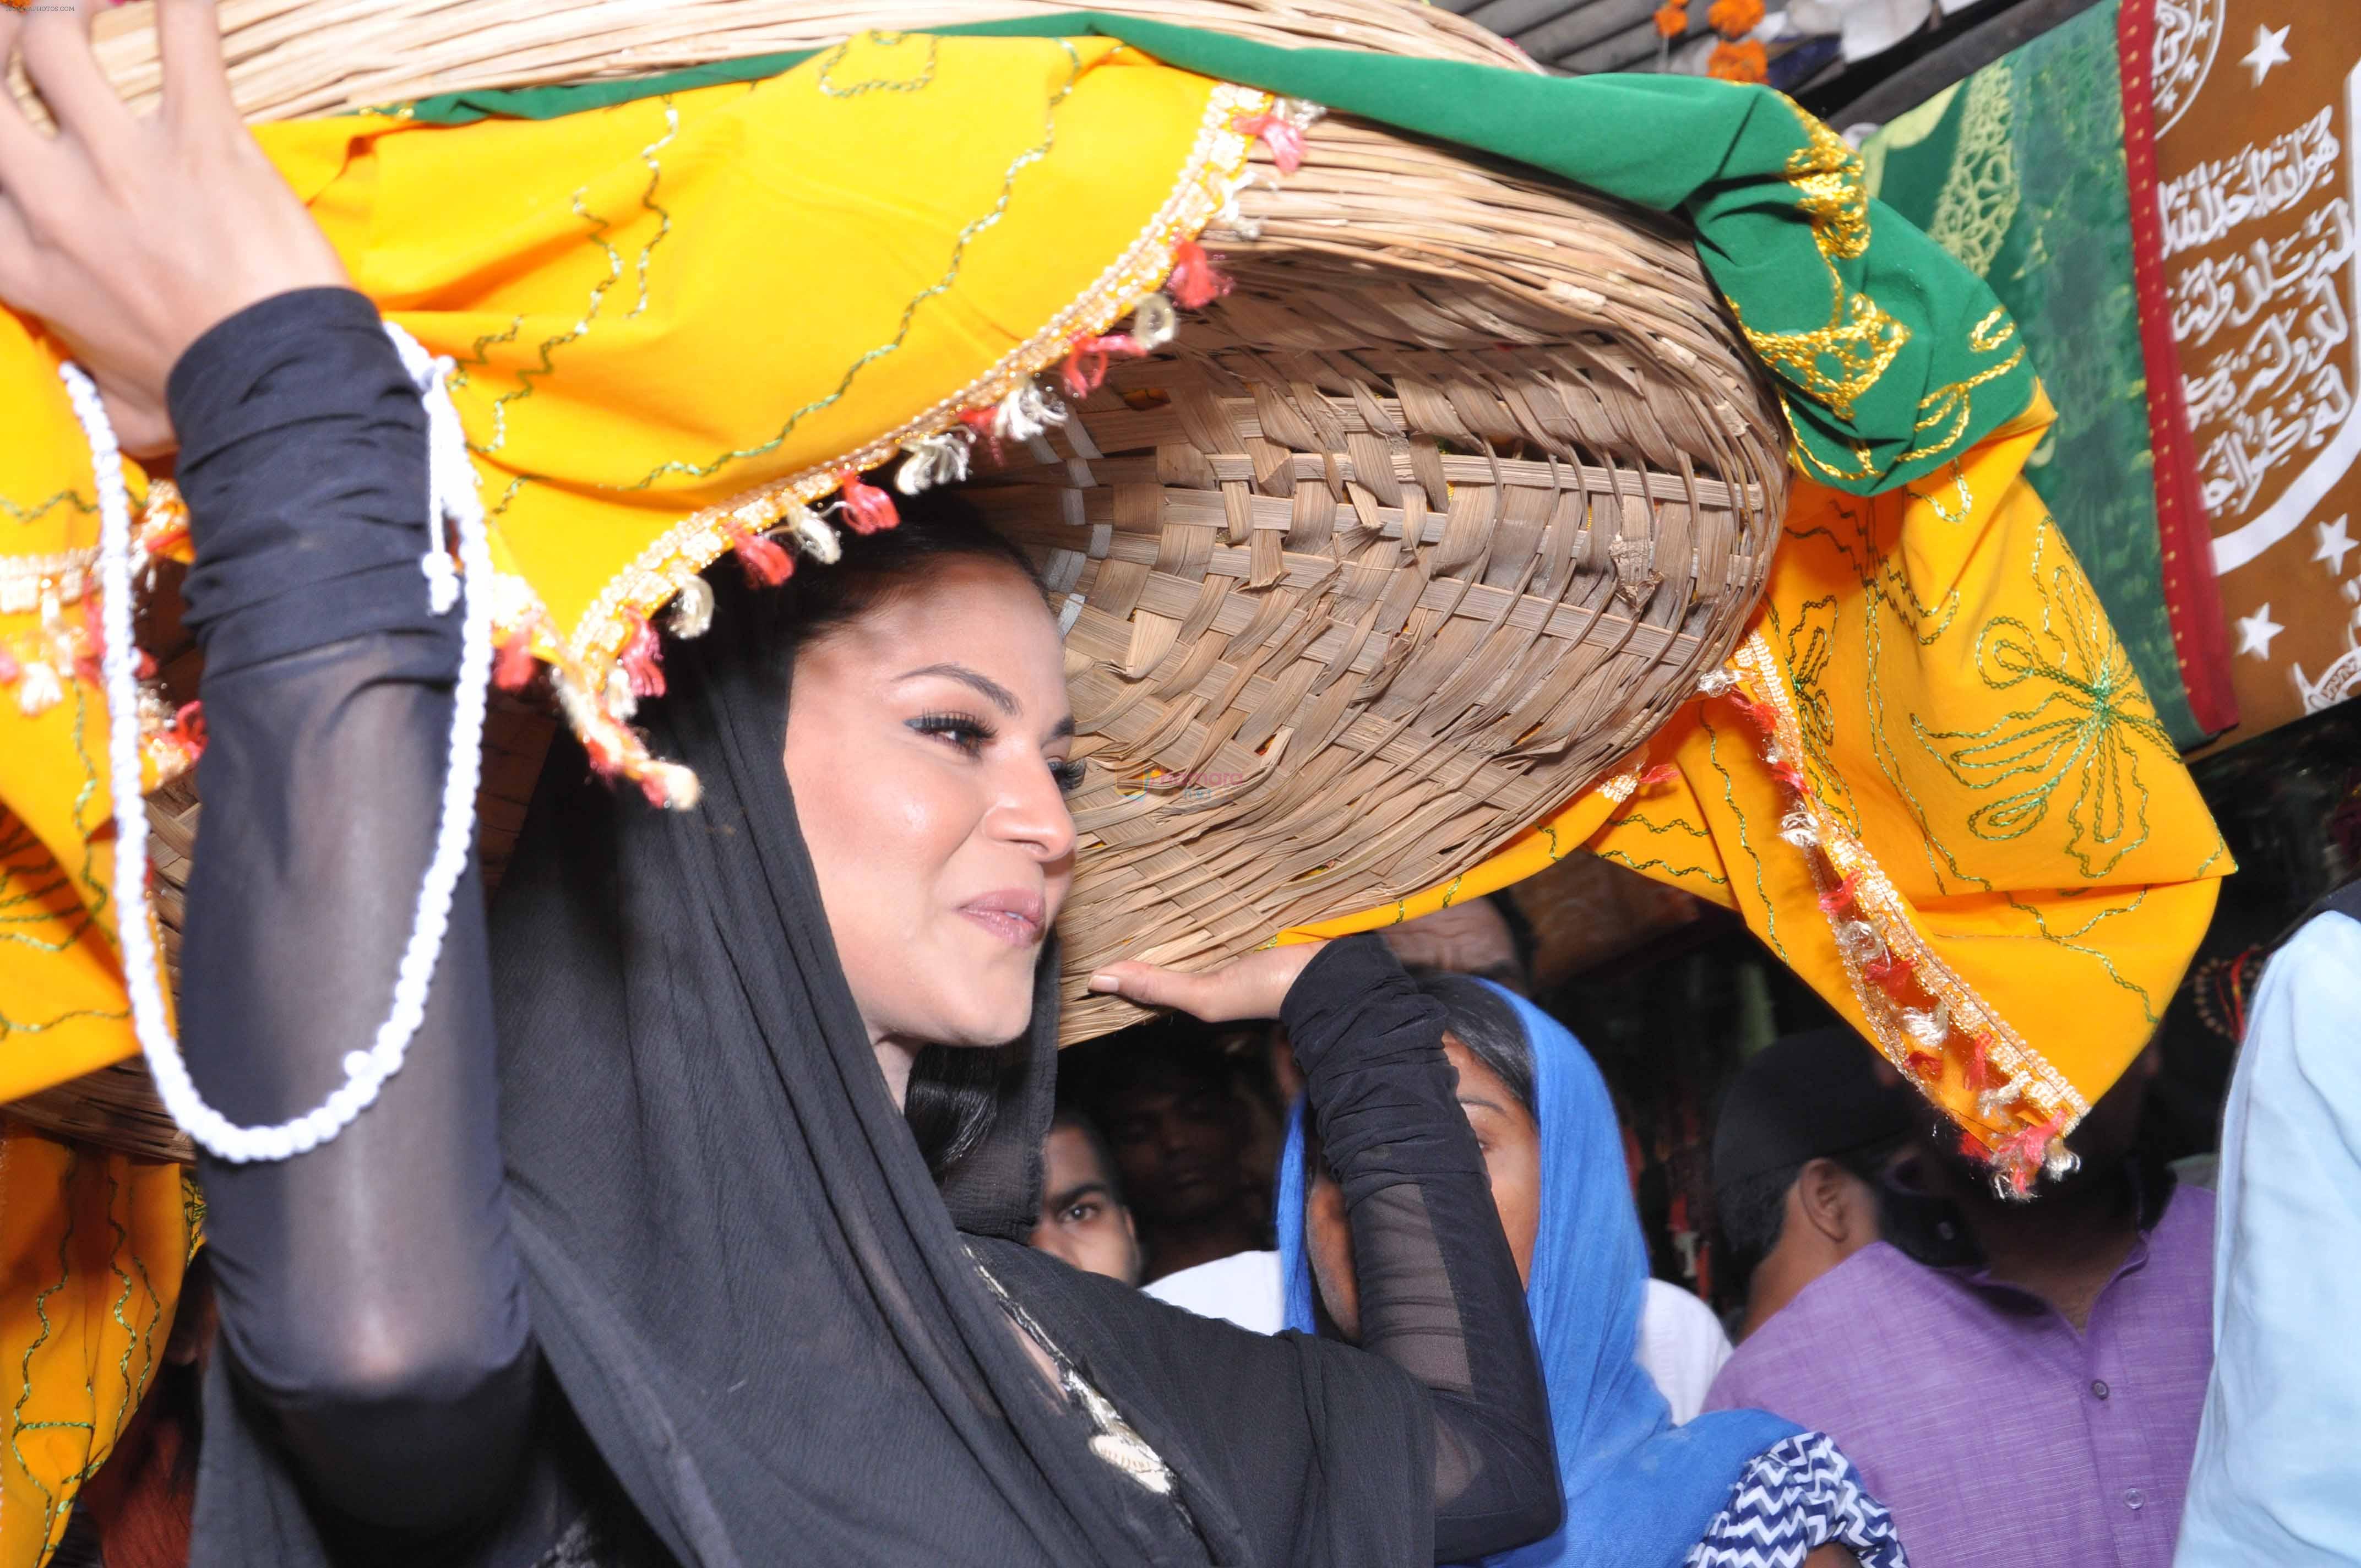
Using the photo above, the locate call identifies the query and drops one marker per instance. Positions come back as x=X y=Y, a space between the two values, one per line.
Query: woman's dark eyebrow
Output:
x=991 y=691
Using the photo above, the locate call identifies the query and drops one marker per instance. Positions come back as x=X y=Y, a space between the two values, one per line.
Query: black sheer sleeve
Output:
x=372 y=1300
x=1438 y=1291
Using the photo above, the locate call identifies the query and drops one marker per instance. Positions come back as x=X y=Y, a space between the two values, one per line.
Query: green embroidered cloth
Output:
x=2018 y=172
x=1888 y=355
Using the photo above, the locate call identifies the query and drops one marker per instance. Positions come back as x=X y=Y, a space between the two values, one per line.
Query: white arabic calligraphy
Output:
x=2187 y=34
x=2203 y=206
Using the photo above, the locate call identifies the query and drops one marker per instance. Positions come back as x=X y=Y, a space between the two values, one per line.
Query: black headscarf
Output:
x=763 y=1309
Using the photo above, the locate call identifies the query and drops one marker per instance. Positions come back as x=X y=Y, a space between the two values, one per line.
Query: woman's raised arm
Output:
x=1439 y=1293
x=370 y=1294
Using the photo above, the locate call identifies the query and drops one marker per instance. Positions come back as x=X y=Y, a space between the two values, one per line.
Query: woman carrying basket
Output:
x=689 y=1230
x=716 y=1309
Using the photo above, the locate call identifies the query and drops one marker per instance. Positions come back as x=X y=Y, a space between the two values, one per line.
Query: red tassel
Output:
x=767 y=565
x=1765 y=717
x=1194 y=284
x=2019 y=1155
x=1981 y=1075
x=1283 y=137
x=599 y=747
x=643 y=658
x=1662 y=774
x=188 y=727
x=146 y=668
x=1841 y=895
x=866 y=507
x=90 y=663
x=1888 y=973
x=980 y=420
x=512 y=670
x=1926 y=1064
x=1086 y=362
x=9 y=668
x=1789 y=774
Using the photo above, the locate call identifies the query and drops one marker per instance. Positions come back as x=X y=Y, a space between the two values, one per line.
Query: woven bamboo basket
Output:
x=1399 y=545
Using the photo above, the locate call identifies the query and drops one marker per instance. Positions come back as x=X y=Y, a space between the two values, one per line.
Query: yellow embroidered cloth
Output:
x=1992 y=824
x=93 y=1246
x=630 y=295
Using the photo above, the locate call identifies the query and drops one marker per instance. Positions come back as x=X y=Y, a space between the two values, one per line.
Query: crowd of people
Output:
x=1892 y=1300
x=1976 y=1357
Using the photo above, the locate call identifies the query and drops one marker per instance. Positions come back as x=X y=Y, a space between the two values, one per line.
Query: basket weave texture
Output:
x=1401 y=543
x=1407 y=540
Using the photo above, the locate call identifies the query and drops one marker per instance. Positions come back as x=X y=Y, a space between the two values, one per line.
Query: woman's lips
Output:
x=1014 y=916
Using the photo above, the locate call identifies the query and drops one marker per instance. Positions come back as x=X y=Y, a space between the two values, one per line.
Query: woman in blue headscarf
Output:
x=1734 y=1489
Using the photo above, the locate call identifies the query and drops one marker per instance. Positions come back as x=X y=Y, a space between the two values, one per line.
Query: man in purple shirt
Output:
x=2040 y=1406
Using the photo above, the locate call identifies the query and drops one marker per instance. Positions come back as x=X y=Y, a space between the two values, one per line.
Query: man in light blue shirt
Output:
x=2276 y=1478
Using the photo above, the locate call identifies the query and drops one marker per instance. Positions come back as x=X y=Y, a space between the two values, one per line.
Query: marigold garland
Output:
x=1671 y=21
x=1733 y=19
x=1742 y=61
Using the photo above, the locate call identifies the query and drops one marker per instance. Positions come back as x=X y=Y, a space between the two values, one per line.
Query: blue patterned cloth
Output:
x=1799 y=1493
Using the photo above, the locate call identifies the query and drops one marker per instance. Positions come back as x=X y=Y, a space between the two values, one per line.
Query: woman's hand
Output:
x=1251 y=986
x=129 y=236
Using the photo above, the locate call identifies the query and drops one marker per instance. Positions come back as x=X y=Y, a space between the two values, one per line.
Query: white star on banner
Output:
x=2256 y=631
x=2270 y=50
x=2334 y=543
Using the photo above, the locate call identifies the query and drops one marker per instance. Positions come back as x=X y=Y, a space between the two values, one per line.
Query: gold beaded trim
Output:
x=1215 y=166
x=2043 y=1098
x=583 y=664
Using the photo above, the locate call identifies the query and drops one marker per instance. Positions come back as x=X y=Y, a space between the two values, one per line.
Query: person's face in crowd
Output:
x=1081 y=1222
x=1177 y=1141
x=1465 y=938
x=925 y=748
x=1511 y=1143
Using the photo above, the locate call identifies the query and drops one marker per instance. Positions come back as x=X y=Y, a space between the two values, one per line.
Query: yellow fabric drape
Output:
x=730 y=294
x=92 y=1247
x=1984 y=785
x=727 y=295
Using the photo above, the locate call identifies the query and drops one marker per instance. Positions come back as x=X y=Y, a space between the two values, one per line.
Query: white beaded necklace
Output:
x=452 y=499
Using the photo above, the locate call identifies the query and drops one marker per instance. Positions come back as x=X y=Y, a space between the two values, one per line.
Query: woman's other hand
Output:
x=130 y=235
x=1250 y=986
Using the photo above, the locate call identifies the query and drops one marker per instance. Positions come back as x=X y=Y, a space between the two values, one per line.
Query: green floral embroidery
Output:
x=18 y=1426
x=1634 y=819
x=2086 y=726
x=41 y=510
x=1886 y=588
x=951 y=273
x=30 y=882
x=2067 y=939
x=1730 y=797
x=918 y=82
x=1621 y=859
x=1809 y=648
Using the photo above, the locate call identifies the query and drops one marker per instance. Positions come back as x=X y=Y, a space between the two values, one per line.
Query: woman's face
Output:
x=1511 y=1143
x=926 y=745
